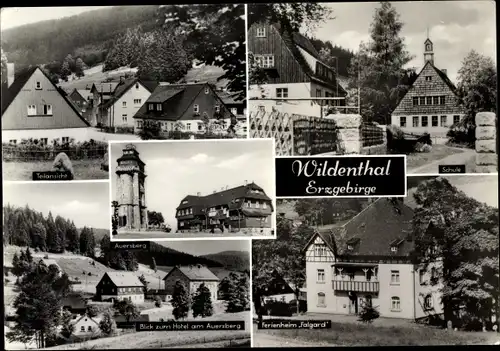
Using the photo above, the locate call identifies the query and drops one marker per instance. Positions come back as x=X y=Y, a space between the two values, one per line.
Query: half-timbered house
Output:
x=367 y=260
x=431 y=105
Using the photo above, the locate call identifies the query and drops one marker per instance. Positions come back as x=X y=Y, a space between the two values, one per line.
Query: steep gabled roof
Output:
x=84 y=93
x=124 y=279
x=195 y=272
x=105 y=87
x=372 y=230
x=21 y=80
x=224 y=196
x=125 y=86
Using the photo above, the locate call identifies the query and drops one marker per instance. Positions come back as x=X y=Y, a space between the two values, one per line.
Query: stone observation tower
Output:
x=132 y=212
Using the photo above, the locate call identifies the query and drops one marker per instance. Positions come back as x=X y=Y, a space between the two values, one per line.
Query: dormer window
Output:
x=151 y=107
x=217 y=108
x=158 y=107
x=394 y=249
x=38 y=85
x=261 y=32
x=196 y=108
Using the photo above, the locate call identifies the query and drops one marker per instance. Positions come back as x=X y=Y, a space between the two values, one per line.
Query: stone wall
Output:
x=486 y=143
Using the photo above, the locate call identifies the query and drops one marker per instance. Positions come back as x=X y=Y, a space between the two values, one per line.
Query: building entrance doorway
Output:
x=353 y=303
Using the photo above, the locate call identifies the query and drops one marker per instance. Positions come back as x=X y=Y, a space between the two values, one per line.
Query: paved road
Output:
x=461 y=158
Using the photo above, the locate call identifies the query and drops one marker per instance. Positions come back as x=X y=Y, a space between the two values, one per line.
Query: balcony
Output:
x=353 y=285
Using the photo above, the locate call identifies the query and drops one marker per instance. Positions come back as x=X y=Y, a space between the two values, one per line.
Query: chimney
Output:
x=445 y=71
x=10 y=74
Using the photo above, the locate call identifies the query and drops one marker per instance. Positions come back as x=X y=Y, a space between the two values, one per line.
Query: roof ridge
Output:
x=360 y=212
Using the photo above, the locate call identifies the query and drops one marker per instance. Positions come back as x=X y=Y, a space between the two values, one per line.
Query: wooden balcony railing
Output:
x=353 y=285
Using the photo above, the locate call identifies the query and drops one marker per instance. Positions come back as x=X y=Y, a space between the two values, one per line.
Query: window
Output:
x=139 y=124
x=321 y=299
x=13 y=141
x=44 y=141
x=442 y=100
x=244 y=129
x=422 y=100
x=31 y=110
x=264 y=61
x=425 y=121
x=415 y=121
x=435 y=100
x=137 y=85
x=320 y=276
x=456 y=119
x=394 y=249
x=82 y=328
x=188 y=126
x=402 y=121
x=200 y=126
x=428 y=100
x=281 y=93
x=395 y=303
x=428 y=47
x=261 y=32
x=433 y=273
x=350 y=247
x=65 y=140
x=207 y=90
x=443 y=121
x=151 y=107
x=394 y=277
x=257 y=205
x=368 y=300
x=428 y=78
x=124 y=118
x=318 y=92
x=158 y=107
x=434 y=121
x=89 y=328
x=421 y=276
x=234 y=110
x=137 y=101
x=38 y=85
x=124 y=104
x=217 y=108
x=415 y=101
x=319 y=250
x=47 y=110
x=264 y=205
x=196 y=108
x=428 y=302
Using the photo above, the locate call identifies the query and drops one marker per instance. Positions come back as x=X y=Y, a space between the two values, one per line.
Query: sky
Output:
x=483 y=188
x=17 y=16
x=178 y=168
x=87 y=204
x=205 y=247
x=455 y=28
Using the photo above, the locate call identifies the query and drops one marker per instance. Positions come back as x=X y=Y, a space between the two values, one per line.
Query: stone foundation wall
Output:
x=486 y=143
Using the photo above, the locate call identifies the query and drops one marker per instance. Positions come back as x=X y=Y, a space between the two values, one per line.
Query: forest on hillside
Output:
x=88 y=35
x=232 y=260
x=334 y=56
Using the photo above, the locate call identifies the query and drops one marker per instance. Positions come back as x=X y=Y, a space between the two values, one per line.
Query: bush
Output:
x=368 y=314
x=463 y=133
x=124 y=130
x=157 y=301
x=398 y=143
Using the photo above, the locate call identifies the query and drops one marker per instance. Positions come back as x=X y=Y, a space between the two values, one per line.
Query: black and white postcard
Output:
x=192 y=189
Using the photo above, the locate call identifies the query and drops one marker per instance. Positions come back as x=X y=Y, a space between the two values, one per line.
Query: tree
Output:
x=153 y=264
x=107 y=323
x=39 y=236
x=164 y=58
x=67 y=325
x=155 y=218
x=65 y=71
x=158 y=301
x=202 y=302
x=180 y=301
x=461 y=234
x=214 y=35
x=79 y=67
x=225 y=288
x=87 y=242
x=477 y=90
x=127 y=309
x=37 y=305
x=60 y=225
x=92 y=311
x=72 y=238
x=17 y=266
x=368 y=313
x=144 y=282
x=238 y=293
x=53 y=240
x=377 y=69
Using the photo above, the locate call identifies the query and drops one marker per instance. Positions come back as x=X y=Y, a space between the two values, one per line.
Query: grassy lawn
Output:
x=83 y=169
x=422 y=158
x=350 y=334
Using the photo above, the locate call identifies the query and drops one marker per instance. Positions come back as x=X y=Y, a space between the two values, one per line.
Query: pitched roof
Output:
x=126 y=279
x=296 y=41
x=21 y=80
x=105 y=87
x=229 y=98
x=84 y=93
x=96 y=319
x=372 y=231
x=224 y=196
x=180 y=98
x=195 y=272
x=125 y=86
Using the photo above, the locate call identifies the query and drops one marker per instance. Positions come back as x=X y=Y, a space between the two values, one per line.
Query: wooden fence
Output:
x=295 y=134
